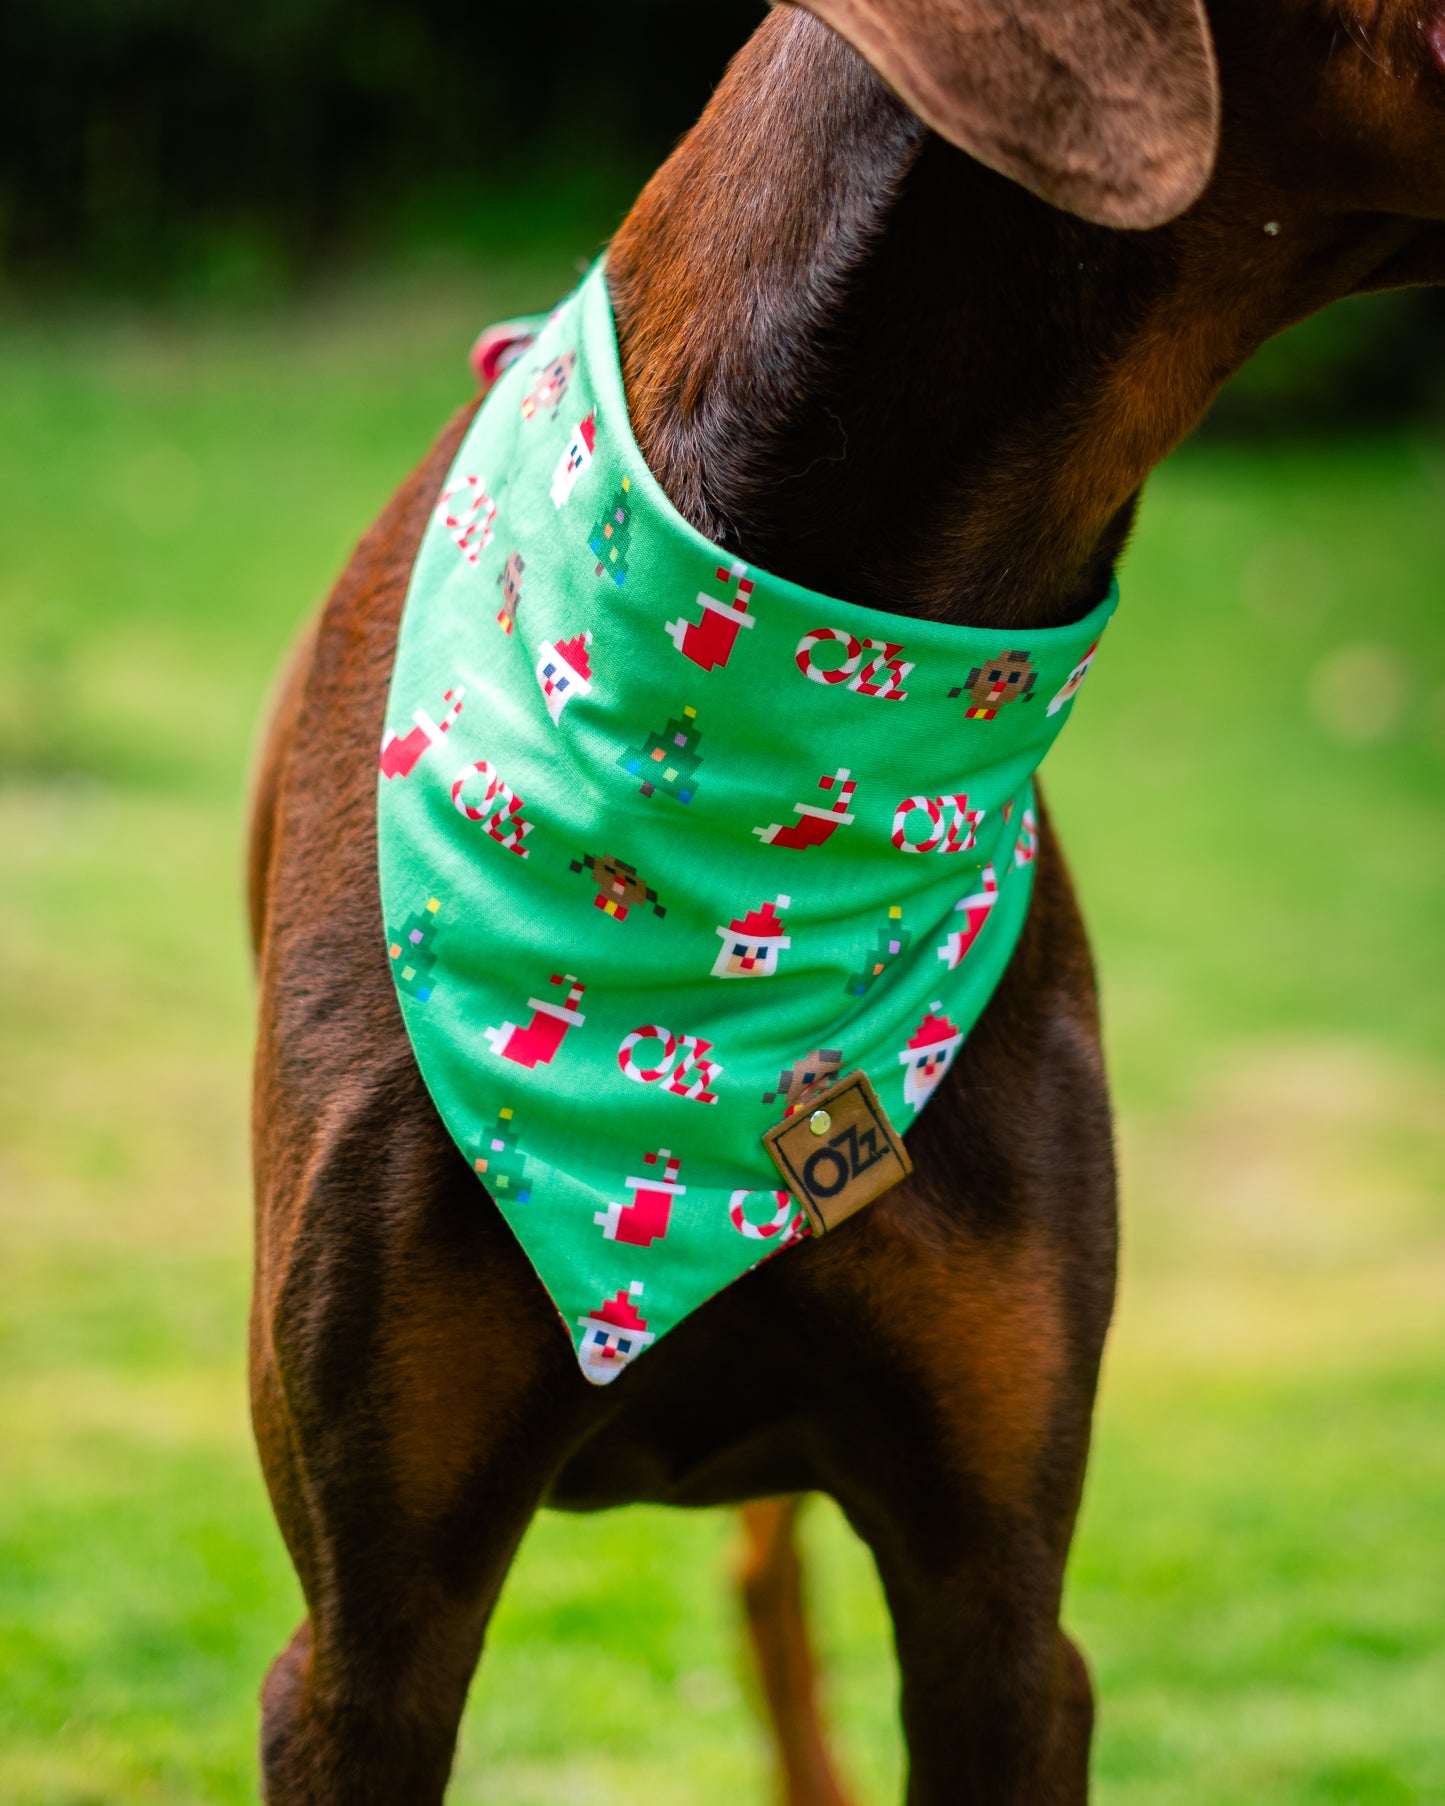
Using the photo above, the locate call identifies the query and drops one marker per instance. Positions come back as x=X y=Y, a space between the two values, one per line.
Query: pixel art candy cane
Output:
x=959 y=836
x=501 y=809
x=694 y=1073
x=870 y=681
x=470 y=526
x=786 y=1215
x=1027 y=845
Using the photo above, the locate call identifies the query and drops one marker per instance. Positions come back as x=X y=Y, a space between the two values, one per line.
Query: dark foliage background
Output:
x=197 y=150
x=142 y=139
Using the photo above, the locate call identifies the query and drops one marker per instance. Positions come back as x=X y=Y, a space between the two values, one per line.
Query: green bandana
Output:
x=665 y=841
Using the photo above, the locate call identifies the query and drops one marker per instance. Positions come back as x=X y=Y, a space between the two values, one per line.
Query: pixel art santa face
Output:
x=751 y=943
x=1074 y=682
x=574 y=460
x=928 y=1056
x=614 y=1334
x=564 y=671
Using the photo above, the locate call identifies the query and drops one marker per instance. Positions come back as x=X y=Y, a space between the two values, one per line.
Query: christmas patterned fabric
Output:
x=667 y=844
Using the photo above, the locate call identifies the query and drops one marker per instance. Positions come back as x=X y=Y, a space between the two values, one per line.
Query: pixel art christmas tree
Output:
x=413 y=951
x=669 y=761
x=893 y=937
x=612 y=535
x=501 y=1162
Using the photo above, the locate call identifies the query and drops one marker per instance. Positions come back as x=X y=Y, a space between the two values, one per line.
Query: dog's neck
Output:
x=860 y=360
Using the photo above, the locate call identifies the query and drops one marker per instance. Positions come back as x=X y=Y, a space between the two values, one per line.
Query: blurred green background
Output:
x=205 y=394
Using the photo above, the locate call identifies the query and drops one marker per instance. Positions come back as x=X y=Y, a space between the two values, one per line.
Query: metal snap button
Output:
x=820 y=1122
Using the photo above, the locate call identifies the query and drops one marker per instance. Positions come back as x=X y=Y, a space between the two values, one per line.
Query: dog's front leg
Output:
x=411 y=1388
x=959 y=1444
x=412 y=1393
x=996 y=1702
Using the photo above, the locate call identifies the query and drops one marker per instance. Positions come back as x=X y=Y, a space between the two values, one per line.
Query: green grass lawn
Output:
x=1251 y=795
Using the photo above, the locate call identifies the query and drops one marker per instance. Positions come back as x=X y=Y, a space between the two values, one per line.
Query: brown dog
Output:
x=931 y=382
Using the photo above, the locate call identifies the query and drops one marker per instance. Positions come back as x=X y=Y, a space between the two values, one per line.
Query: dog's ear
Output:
x=1106 y=108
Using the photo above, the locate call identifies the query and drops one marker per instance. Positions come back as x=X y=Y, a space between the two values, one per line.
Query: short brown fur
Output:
x=828 y=317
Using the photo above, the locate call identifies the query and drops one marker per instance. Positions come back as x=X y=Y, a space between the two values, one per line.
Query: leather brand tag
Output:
x=840 y=1153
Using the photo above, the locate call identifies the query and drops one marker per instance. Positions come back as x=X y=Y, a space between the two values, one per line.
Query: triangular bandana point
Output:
x=613 y=1335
